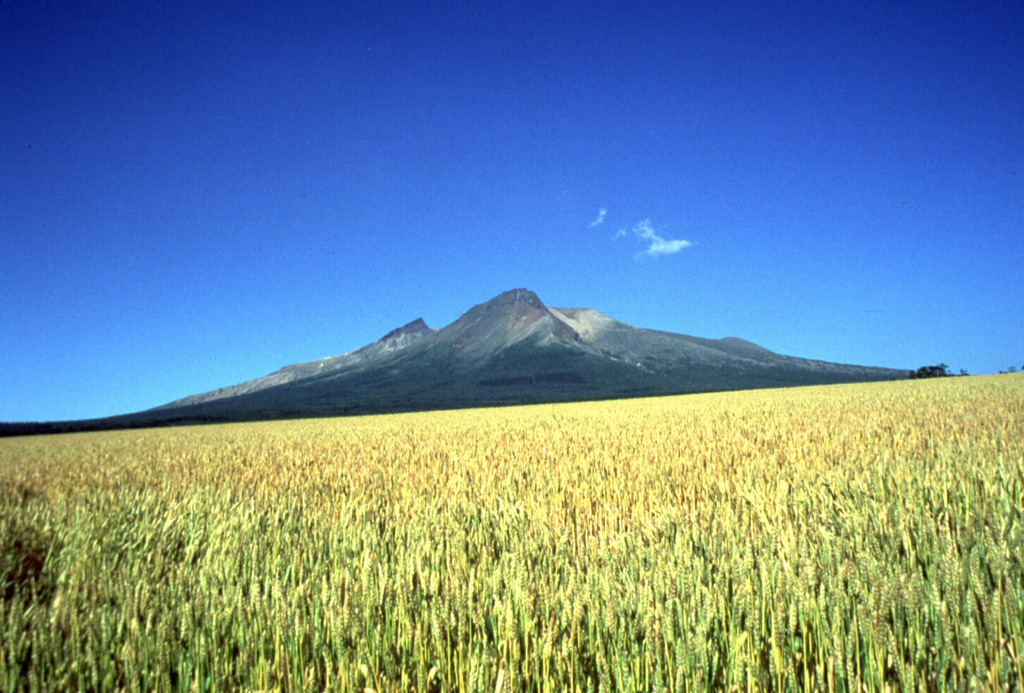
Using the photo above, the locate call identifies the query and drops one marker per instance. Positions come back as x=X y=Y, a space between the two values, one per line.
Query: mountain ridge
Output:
x=480 y=340
x=511 y=349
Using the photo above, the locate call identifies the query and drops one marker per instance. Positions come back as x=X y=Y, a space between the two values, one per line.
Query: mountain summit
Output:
x=510 y=349
x=511 y=298
x=400 y=336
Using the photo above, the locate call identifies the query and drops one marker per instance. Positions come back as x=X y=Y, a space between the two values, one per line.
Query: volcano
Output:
x=512 y=349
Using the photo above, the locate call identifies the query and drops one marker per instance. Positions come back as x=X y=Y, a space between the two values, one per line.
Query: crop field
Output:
x=840 y=538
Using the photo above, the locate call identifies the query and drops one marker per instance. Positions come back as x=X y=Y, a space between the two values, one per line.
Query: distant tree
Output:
x=963 y=372
x=1013 y=369
x=939 y=371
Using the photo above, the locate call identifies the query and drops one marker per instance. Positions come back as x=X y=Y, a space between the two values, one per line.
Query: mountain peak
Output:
x=406 y=334
x=414 y=327
x=514 y=296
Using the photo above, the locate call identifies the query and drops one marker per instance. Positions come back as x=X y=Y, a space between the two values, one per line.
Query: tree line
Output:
x=942 y=371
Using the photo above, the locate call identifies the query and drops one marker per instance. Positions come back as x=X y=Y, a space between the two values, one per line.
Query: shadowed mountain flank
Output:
x=511 y=349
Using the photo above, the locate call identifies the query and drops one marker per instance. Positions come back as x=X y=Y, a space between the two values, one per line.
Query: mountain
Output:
x=511 y=349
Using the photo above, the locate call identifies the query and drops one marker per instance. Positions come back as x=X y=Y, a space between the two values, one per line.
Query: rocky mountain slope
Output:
x=511 y=349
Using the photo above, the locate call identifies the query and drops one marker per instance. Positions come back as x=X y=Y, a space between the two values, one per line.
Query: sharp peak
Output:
x=514 y=296
x=417 y=325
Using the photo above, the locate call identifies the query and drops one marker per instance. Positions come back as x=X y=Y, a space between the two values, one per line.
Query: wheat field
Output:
x=840 y=538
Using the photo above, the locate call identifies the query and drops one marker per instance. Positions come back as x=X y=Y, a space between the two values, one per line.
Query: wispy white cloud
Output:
x=619 y=234
x=658 y=245
x=600 y=218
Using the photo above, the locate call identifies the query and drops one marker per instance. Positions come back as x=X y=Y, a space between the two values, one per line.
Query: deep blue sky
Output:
x=194 y=194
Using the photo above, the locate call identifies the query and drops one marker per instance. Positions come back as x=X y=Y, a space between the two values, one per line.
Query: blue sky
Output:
x=196 y=194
